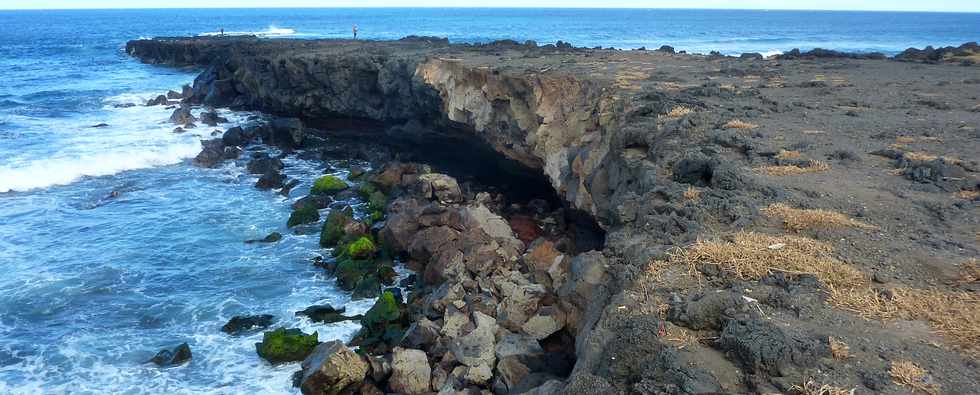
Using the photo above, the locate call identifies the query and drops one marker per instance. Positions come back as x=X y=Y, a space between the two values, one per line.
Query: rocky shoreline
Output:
x=616 y=221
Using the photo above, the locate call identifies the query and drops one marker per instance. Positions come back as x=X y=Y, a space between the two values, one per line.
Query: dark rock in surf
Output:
x=271 y=180
x=174 y=95
x=264 y=164
x=182 y=116
x=286 y=133
x=318 y=201
x=234 y=137
x=271 y=238
x=176 y=356
x=241 y=324
x=232 y=152
x=211 y=118
x=325 y=314
x=99 y=125
x=286 y=345
x=213 y=153
x=286 y=189
x=157 y=101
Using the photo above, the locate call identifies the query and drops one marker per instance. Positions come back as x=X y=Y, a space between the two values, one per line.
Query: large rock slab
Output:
x=332 y=368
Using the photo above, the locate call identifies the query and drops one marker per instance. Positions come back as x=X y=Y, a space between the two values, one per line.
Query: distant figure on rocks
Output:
x=354 y=29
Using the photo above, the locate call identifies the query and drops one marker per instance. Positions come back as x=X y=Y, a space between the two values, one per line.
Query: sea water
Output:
x=92 y=285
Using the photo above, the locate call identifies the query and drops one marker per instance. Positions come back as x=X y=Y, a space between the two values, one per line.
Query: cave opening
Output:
x=475 y=164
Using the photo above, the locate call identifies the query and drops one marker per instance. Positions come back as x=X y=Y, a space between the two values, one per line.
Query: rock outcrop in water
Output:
x=676 y=158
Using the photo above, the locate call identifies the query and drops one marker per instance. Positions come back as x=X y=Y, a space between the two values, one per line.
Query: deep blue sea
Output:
x=92 y=286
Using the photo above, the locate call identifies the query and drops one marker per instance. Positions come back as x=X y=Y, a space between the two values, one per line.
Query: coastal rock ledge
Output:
x=748 y=210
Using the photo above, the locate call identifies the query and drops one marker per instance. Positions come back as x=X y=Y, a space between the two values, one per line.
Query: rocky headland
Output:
x=593 y=221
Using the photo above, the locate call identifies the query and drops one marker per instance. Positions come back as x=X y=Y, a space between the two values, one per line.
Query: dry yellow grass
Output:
x=969 y=272
x=905 y=139
x=810 y=387
x=815 y=166
x=692 y=194
x=908 y=374
x=921 y=156
x=796 y=219
x=838 y=349
x=751 y=256
x=678 y=112
x=788 y=155
x=967 y=194
x=737 y=124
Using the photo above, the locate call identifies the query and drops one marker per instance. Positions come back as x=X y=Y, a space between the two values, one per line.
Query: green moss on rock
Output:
x=383 y=326
x=377 y=201
x=368 y=287
x=350 y=272
x=286 y=345
x=328 y=185
x=333 y=228
x=362 y=248
x=308 y=214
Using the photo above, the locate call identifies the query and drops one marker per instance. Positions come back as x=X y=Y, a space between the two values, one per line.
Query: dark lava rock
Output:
x=286 y=345
x=666 y=48
x=304 y=215
x=179 y=130
x=182 y=116
x=211 y=118
x=234 y=137
x=751 y=56
x=286 y=189
x=177 y=356
x=325 y=313
x=99 y=125
x=271 y=238
x=241 y=324
x=186 y=92
x=174 y=95
x=286 y=133
x=708 y=311
x=232 y=152
x=264 y=164
x=212 y=154
x=318 y=201
x=157 y=101
x=761 y=346
x=271 y=180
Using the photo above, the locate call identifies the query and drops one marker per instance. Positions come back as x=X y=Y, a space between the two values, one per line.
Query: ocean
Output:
x=94 y=285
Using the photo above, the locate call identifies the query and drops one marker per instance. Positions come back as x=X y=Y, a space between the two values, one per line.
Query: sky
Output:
x=877 y=5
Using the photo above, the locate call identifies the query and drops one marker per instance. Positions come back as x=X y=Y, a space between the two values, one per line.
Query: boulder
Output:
x=306 y=215
x=328 y=185
x=325 y=313
x=234 y=137
x=157 y=101
x=186 y=92
x=174 y=95
x=241 y=324
x=318 y=201
x=333 y=227
x=264 y=164
x=231 y=153
x=422 y=334
x=176 y=356
x=477 y=347
x=182 y=116
x=271 y=238
x=288 y=188
x=544 y=323
x=410 y=373
x=212 y=154
x=211 y=118
x=332 y=369
x=286 y=345
x=383 y=325
x=439 y=187
x=271 y=180
x=286 y=133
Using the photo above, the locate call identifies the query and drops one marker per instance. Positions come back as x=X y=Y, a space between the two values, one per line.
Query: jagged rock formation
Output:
x=659 y=149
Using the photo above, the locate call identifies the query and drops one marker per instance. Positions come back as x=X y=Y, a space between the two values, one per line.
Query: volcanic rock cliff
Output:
x=747 y=213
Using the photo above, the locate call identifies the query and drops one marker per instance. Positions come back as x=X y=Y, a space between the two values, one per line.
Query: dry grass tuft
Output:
x=751 y=256
x=800 y=219
x=692 y=194
x=678 y=112
x=967 y=195
x=905 y=139
x=810 y=387
x=788 y=155
x=681 y=337
x=969 y=272
x=737 y=124
x=838 y=349
x=815 y=166
x=920 y=156
x=908 y=374
x=954 y=315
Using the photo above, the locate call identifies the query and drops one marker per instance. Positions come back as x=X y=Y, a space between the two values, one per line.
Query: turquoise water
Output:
x=93 y=286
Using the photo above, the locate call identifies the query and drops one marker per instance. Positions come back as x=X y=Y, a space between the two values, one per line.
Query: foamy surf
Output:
x=271 y=31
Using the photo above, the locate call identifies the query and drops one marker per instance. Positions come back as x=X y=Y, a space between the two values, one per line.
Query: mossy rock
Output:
x=286 y=345
x=367 y=287
x=333 y=228
x=350 y=272
x=366 y=189
x=377 y=201
x=383 y=326
x=308 y=214
x=387 y=274
x=362 y=248
x=328 y=185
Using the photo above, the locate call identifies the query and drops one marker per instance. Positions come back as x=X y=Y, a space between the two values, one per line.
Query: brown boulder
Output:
x=410 y=372
x=332 y=368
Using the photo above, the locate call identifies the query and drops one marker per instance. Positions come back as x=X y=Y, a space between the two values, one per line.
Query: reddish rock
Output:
x=526 y=229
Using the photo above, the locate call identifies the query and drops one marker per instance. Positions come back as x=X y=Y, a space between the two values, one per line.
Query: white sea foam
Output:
x=136 y=137
x=271 y=31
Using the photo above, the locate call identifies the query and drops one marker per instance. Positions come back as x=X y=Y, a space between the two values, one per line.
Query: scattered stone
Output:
x=410 y=373
x=264 y=164
x=286 y=345
x=271 y=180
x=182 y=116
x=328 y=185
x=157 y=101
x=325 y=313
x=174 y=357
x=306 y=215
x=241 y=324
x=271 y=238
x=234 y=137
x=212 y=154
x=332 y=369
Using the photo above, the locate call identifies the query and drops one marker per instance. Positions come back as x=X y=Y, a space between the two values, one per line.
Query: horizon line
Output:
x=485 y=7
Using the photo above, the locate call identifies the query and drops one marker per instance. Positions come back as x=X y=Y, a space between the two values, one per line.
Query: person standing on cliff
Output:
x=355 y=31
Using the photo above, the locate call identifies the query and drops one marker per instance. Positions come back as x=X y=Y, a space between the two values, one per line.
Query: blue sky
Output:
x=894 y=5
